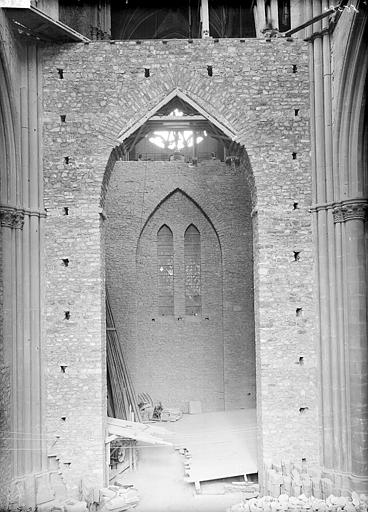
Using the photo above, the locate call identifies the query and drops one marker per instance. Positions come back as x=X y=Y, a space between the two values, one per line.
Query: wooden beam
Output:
x=178 y=118
x=42 y=25
x=227 y=130
x=320 y=17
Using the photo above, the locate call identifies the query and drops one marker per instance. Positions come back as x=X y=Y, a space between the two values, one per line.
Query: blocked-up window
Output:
x=192 y=261
x=165 y=260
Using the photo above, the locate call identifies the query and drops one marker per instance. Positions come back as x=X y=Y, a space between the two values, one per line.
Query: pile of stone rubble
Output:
x=283 y=503
x=117 y=498
x=114 y=498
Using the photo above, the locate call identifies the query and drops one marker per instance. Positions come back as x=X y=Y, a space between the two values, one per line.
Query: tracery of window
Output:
x=192 y=263
x=165 y=261
x=176 y=140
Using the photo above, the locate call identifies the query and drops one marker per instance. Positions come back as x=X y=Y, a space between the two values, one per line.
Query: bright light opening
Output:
x=175 y=140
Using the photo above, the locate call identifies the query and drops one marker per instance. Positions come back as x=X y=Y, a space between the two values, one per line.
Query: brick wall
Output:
x=180 y=358
x=255 y=91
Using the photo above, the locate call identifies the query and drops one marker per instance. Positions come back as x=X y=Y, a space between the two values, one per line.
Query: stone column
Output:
x=195 y=147
x=12 y=220
x=205 y=19
x=260 y=17
x=322 y=194
x=21 y=217
x=353 y=214
x=275 y=14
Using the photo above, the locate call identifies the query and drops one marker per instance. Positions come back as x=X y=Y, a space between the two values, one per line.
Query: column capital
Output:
x=11 y=217
x=338 y=214
x=350 y=210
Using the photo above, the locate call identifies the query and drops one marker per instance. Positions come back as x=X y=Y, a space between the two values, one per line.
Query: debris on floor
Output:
x=355 y=503
x=75 y=506
x=151 y=412
x=69 y=505
x=117 y=498
x=294 y=479
x=248 y=489
x=171 y=414
x=146 y=407
x=161 y=413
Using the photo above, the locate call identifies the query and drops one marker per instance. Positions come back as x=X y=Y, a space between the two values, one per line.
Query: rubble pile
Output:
x=283 y=503
x=116 y=498
x=69 y=505
x=294 y=479
x=248 y=489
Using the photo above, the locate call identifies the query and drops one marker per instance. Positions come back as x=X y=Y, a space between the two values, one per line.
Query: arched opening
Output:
x=179 y=274
x=165 y=271
x=192 y=263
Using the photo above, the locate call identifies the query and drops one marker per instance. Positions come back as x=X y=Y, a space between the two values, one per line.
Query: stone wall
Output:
x=180 y=358
x=75 y=345
x=260 y=89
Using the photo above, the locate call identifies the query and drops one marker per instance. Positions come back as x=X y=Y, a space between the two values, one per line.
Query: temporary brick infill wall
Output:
x=180 y=358
x=260 y=89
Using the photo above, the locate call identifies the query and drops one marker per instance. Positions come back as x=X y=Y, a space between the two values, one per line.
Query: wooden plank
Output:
x=221 y=444
x=44 y=26
x=122 y=390
x=174 y=119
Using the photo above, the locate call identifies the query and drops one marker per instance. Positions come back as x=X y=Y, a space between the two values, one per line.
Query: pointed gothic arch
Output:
x=351 y=112
x=10 y=181
x=164 y=199
x=220 y=126
x=177 y=93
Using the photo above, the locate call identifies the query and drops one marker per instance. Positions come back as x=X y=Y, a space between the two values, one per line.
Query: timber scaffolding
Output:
x=122 y=402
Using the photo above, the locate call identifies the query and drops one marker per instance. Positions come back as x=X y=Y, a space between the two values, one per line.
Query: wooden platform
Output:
x=221 y=444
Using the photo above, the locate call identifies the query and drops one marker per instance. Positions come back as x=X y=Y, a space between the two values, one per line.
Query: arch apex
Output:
x=178 y=93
